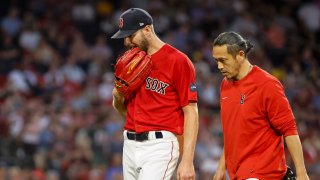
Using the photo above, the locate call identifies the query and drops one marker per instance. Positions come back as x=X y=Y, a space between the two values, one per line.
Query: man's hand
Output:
x=221 y=171
x=116 y=94
x=220 y=175
x=186 y=171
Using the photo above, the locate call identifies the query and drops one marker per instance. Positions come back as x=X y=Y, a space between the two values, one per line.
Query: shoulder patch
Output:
x=193 y=87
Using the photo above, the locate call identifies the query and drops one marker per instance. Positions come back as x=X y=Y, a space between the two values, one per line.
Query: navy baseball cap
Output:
x=131 y=21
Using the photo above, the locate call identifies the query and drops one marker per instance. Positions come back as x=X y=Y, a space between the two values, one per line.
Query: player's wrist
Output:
x=187 y=160
x=301 y=171
x=116 y=94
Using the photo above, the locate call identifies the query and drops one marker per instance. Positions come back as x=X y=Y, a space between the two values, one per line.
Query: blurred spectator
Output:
x=54 y=78
x=11 y=24
x=105 y=88
x=244 y=24
x=23 y=79
x=43 y=55
x=9 y=55
x=101 y=50
x=276 y=48
x=115 y=170
x=83 y=11
x=30 y=35
x=309 y=13
x=73 y=72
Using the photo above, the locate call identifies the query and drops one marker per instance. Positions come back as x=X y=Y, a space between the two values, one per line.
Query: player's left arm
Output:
x=294 y=146
x=184 y=80
x=282 y=119
x=191 y=125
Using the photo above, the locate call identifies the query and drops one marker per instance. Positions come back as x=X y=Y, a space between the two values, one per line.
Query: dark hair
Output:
x=234 y=41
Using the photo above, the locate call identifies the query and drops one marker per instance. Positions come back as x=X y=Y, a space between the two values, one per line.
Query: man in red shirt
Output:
x=256 y=117
x=164 y=107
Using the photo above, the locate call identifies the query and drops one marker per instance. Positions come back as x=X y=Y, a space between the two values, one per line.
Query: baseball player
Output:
x=162 y=108
x=256 y=117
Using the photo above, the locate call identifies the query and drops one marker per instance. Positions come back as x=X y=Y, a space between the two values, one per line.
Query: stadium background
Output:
x=56 y=56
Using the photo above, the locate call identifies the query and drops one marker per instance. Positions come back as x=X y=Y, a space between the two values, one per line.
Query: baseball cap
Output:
x=131 y=21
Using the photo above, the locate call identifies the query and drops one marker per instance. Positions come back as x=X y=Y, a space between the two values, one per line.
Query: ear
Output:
x=147 y=30
x=241 y=56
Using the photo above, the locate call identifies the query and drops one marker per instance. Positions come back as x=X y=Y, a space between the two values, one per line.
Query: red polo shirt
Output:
x=170 y=86
x=255 y=116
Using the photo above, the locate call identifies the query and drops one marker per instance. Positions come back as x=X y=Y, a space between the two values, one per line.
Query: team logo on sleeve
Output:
x=193 y=87
x=156 y=85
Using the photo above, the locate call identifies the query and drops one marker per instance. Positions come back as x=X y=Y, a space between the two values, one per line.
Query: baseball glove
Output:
x=290 y=175
x=131 y=71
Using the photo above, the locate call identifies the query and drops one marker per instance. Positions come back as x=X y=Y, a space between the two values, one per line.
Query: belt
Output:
x=143 y=136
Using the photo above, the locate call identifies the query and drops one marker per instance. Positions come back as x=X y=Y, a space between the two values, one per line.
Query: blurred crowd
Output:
x=56 y=78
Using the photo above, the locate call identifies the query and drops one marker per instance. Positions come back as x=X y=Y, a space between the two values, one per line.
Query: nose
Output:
x=220 y=65
x=126 y=41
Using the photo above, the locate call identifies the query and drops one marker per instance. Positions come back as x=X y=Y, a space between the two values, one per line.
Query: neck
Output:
x=244 y=70
x=154 y=45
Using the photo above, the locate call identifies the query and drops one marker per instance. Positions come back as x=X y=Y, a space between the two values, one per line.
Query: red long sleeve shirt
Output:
x=255 y=116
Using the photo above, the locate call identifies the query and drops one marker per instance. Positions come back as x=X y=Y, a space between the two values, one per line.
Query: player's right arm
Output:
x=118 y=103
x=221 y=171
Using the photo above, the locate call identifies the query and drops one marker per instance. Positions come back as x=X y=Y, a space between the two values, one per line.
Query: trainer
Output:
x=256 y=118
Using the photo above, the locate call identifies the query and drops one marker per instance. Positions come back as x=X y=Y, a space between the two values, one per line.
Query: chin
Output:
x=143 y=49
x=230 y=78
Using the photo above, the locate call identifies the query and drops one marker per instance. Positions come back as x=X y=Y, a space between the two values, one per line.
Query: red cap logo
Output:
x=121 y=23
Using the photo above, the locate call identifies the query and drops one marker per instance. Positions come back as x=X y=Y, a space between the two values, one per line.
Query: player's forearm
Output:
x=191 y=126
x=118 y=103
x=294 y=146
x=119 y=107
x=222 y=163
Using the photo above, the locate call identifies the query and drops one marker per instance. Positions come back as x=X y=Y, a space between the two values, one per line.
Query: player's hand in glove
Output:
x=131 y=71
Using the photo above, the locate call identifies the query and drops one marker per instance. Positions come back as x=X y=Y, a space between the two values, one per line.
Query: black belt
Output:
x=143 y=136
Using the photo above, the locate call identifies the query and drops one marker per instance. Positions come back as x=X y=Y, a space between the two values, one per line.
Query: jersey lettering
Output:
x=162 y=88
x=149 y=81
x=156 y=85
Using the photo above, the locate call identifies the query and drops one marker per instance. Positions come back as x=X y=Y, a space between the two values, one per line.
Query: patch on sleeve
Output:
x=193 y=87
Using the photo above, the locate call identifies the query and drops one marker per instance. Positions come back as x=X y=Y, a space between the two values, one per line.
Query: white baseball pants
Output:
x=154 y=159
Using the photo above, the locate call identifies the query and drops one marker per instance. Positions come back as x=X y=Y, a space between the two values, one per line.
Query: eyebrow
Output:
x=220 y=58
